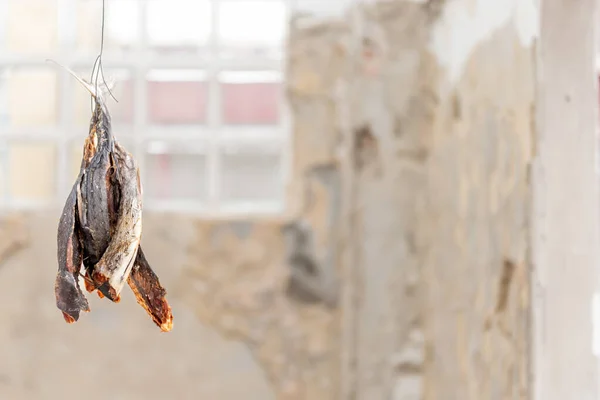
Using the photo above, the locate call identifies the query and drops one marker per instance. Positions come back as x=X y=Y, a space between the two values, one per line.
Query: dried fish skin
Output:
x=149 y=293
x=113 y=269
x=69 y=297
x=95 y=190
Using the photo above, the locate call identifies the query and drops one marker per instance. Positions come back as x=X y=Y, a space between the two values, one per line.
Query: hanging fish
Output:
x=101 y=227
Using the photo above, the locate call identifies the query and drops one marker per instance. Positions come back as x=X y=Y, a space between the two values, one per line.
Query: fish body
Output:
x=69 y=297
x=113 y=269
x=101 y=226
x=149 y=293
x=96 y=191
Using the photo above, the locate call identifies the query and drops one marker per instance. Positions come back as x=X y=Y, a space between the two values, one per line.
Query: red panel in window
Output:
x=251 y=103
x=177 y=102
x=175 y=177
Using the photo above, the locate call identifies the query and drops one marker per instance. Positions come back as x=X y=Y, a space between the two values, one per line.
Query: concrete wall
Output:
x=432 y=105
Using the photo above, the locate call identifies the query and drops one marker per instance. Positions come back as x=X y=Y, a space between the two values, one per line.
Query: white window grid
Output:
x=140 y=61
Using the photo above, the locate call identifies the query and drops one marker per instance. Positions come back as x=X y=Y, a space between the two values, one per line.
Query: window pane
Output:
x=250 y=97
x=175 y=171
x=32 y=97
x=4 y=111
x=32 y=169
x=3 y=24
x=177 y=97
x=120 y=26
x=32 y=26
x=3 y=169
x=251 y=175
x=252 y=26
x=178 y=24
x=121 y=112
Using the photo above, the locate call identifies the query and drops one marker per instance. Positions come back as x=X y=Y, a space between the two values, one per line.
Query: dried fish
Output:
x=101 y=227
x=69 y=297
x=114 y=267
x=149 y=293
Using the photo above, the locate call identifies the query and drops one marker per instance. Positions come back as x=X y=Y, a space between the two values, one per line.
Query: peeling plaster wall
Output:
x=239 y=287
x=391 y=98
x=474 y=226
x=431 y=105
x=461 y=133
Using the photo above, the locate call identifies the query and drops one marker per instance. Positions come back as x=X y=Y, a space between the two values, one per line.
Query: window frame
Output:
x=140 y=61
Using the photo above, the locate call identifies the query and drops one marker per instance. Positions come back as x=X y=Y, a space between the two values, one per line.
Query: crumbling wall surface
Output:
x=237 y=279
x=473 y=221
x=436 y=147
x=408 y=103
x=354 y=85
x=390 y=105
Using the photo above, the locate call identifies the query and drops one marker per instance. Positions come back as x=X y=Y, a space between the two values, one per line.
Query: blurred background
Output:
x=337 y=197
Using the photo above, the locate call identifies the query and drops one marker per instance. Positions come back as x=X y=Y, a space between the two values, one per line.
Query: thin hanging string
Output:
x=97 y=70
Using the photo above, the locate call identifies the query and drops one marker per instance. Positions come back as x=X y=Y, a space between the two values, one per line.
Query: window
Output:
x=177 y=97
x=191 y=27
x=251 y=27
x=199 y=90
x=251 y=97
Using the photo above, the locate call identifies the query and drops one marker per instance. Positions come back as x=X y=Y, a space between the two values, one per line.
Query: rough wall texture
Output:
x=474 y=227
x=443 y=211
x=392 y=99
x=238 y=285
x=434 y=162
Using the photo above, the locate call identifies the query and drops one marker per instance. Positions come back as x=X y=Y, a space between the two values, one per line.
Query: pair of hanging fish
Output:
x=101 y=225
